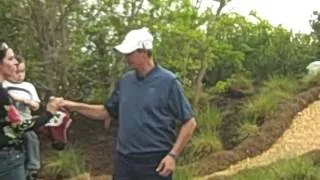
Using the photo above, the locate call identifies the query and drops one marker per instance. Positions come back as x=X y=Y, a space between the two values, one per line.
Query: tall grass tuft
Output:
x=206 y=139
x=276 y=90
x=182 y=174
x=68 y=163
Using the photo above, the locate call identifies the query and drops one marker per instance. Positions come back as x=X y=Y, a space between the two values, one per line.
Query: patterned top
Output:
x=13 y=124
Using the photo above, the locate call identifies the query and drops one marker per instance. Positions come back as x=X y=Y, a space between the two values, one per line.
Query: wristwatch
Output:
x=174 y=156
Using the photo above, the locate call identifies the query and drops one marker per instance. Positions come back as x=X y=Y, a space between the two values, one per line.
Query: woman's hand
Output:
x=54 y=104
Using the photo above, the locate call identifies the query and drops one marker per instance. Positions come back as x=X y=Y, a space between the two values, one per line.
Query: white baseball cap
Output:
x=136 y=39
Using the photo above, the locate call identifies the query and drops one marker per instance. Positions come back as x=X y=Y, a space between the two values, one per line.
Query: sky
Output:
x=292 y=14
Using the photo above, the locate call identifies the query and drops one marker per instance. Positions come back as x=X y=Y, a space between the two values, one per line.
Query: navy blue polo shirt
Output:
x=148 y=109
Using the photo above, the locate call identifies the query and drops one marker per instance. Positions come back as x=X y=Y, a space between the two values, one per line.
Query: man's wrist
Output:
x=173 y=155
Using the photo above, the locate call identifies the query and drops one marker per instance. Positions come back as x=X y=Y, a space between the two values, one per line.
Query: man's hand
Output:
x=92 y=111
x=166 y=166
x=54 y=104
x=67 y=104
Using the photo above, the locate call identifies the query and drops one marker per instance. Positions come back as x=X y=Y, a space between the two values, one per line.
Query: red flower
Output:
x=13 y=115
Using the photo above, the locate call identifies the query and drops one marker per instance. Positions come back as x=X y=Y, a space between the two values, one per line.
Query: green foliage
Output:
x=282 y=83
x=209 y=119
x=218 y=44
x=315 y=24
x=205 y=97
x=263 y=104
x=67 y=163
x=221 y=87
x=276 y=90
x=292 y=169
x=248 y=129
x=69 y=47
x=239 y=82
x=236 y=83
x=309 y=81
x=182 y=174
x=206 y=140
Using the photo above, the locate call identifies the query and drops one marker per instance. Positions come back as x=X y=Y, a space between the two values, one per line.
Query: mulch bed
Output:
x=272 y=128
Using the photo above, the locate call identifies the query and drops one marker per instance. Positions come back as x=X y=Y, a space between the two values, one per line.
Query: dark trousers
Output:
x=11 y=164
x=138 y=167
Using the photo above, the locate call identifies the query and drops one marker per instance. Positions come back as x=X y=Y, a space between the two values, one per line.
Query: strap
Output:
x=11 y=98
x=4 y=96
x=12 y=88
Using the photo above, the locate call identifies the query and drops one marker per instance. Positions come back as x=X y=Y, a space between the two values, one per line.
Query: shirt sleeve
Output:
x=178 y=103
x=33 y=91
x=112 y=104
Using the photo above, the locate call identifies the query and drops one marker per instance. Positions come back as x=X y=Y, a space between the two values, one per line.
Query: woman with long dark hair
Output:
x=12 y=124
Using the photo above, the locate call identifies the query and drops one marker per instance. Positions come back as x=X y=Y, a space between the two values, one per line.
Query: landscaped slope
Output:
x=301 y=137
x=289 y=131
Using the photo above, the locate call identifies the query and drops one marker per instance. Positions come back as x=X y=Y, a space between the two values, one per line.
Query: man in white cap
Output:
x=148 y=102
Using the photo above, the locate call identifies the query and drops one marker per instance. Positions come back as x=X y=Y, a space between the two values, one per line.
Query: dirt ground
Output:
x=97 y=144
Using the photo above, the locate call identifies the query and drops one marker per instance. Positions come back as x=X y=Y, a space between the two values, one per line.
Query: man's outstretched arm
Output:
x=97 y=112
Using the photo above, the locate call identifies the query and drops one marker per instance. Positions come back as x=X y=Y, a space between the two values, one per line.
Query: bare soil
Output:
x=96 y=143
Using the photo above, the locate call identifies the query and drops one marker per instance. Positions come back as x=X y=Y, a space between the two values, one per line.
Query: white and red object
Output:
x=57 y=129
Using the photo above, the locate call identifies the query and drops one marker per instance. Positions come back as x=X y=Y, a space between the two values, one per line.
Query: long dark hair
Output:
x=3 y=50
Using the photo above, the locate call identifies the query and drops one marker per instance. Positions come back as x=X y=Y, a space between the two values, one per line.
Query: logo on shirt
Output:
x=151 y=90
